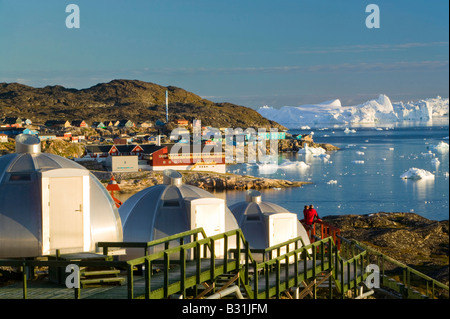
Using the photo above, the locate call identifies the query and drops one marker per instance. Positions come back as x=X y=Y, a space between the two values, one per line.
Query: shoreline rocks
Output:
x=411 y=239
x=134 y=182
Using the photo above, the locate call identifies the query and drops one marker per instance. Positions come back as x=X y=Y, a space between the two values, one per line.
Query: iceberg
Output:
x=417 y=173
x=370 y=112
x=312 y=150
x=442 y=147
x=435 y=162
x=267 y=168
x=287 y=164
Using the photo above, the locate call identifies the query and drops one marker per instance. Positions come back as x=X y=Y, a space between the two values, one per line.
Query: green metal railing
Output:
x=411 y=279
x=289 y=263
x=190 y=235
x=194 y=260
x=26 y=265
x=279 y=249
x=200 y=251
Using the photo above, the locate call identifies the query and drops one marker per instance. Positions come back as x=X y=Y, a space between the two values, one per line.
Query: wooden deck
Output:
x=44 y=289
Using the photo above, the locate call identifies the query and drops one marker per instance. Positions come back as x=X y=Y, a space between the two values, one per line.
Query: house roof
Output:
x=147 y=149
x=56 y=122
x=77 y=122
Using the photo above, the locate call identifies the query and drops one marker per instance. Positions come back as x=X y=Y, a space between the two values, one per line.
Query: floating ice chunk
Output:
x=379 y=128
x=347 y=130
x=333 y=181
x=267 y=168
x=442 y=147
x=312 y=150
x=358 y=162
x=287 y=164
x=417 y=173
x=435 y=161
x=324 y=157
x=360 y=153
x=429 y=153
x=391 y=148
x=384 y=159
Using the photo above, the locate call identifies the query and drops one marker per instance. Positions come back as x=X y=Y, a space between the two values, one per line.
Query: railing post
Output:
x=267 y=276
x=225 y=253
x=198 y=262
x=238 y=249
x=212 y=259
x=322 y=255
x=342 y=278
x=286 y=260
x=355 y=269
x=130 y=286
x=166 y=274
x=296 y=268
x=183 y=271
x=255 y=280
x=247 y=253
x=148 y=274
x=277 y=277
x=24 y=278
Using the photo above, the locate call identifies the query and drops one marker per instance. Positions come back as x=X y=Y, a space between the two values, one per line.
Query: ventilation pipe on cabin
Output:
x=253 y=196
x=172 y=177
x=26 y=143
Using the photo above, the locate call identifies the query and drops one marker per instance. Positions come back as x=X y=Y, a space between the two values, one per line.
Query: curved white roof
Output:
x=164 y=210
x=22 y=195
x=256 y=219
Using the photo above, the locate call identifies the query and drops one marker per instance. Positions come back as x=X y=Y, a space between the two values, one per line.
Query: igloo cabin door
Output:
x=209 y=213
x=66 y=213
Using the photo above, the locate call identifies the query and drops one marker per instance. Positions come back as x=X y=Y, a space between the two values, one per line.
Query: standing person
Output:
x=305 y=212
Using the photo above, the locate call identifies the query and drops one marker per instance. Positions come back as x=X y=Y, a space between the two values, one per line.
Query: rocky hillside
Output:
x=409 y=238
x=122 y=99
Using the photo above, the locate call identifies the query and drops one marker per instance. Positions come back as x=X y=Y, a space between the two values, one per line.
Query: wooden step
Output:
x=107 y=280
x=100 y=272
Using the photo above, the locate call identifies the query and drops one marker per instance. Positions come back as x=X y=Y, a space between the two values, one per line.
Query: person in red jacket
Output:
x=311 y=215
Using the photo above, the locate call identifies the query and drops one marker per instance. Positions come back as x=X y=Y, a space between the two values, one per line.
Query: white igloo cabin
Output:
x=50 y=203
x=173 y=207
x=266 y=224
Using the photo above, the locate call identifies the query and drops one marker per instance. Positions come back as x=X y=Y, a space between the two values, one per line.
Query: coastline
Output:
x=134 y=182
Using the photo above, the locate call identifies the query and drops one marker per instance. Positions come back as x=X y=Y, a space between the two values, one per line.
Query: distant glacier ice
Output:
x=380 y=110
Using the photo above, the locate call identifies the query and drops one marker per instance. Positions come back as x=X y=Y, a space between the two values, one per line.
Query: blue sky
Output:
x=248 y=52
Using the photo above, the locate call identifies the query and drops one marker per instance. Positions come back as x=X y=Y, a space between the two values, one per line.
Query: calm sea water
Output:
x=364 y=176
